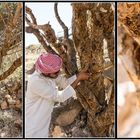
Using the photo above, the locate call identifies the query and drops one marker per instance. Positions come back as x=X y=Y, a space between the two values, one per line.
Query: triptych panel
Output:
x=69 y=69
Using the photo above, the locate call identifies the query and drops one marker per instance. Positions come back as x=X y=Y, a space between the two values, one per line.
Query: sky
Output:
x=44 y=13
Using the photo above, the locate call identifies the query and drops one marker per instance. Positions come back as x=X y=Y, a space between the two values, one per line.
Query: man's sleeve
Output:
x=63 y=82
x=46 y=90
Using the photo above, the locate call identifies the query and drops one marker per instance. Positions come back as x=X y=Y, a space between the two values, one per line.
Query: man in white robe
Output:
x=42 y=93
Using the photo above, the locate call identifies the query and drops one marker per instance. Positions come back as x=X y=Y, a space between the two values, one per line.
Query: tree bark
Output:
x=89 y=30
x=13 y=67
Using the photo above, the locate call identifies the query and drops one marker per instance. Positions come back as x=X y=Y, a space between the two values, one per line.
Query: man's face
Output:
x=52 y=75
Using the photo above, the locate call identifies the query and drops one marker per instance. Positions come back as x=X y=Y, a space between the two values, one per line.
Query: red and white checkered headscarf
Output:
x=48 y=63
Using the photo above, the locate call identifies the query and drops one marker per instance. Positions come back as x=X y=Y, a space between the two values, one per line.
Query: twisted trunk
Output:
x=89 y=30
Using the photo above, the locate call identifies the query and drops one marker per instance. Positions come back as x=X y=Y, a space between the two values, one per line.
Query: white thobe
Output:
x=41 y=95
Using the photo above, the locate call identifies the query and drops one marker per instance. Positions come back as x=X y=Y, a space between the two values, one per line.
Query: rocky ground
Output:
x=78 y=128
x=10 y=109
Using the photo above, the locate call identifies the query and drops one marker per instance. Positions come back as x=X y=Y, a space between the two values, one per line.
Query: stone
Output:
x=67 y=117
x=7 y=96
x=57 y=132
x=18 y=123
x=18 y=104
x=11 y=101
x=4 y=105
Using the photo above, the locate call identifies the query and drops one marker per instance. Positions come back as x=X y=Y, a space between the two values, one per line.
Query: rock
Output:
x=2 y=135
x=11 y=106
x=4 y=105
x=11 y=101
x=10 y=84
x=57 y=132
x=19 y=94
x=18 y=123
x=7 y=96
x=5 y=91
x=65 y=114
x=67 y=117
x=3 y=88
x=18 y=105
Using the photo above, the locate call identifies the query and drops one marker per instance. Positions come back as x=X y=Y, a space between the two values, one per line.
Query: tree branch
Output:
x=29 y=11
x=49 y=34
x=14 y=52
x=17 y=14
x=40 y=39
x=14 y=66
x=65 y=28
x=68 y=56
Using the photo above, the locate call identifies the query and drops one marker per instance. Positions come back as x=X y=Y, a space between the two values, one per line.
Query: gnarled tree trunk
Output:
x=90 y=27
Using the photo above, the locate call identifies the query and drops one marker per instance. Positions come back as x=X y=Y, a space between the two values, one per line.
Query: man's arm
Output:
x=80 y=77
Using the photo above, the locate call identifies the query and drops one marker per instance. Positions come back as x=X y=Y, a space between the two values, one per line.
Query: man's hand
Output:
x=83 y=76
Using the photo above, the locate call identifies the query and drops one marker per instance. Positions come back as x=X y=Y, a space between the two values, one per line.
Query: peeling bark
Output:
x=90 y=27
